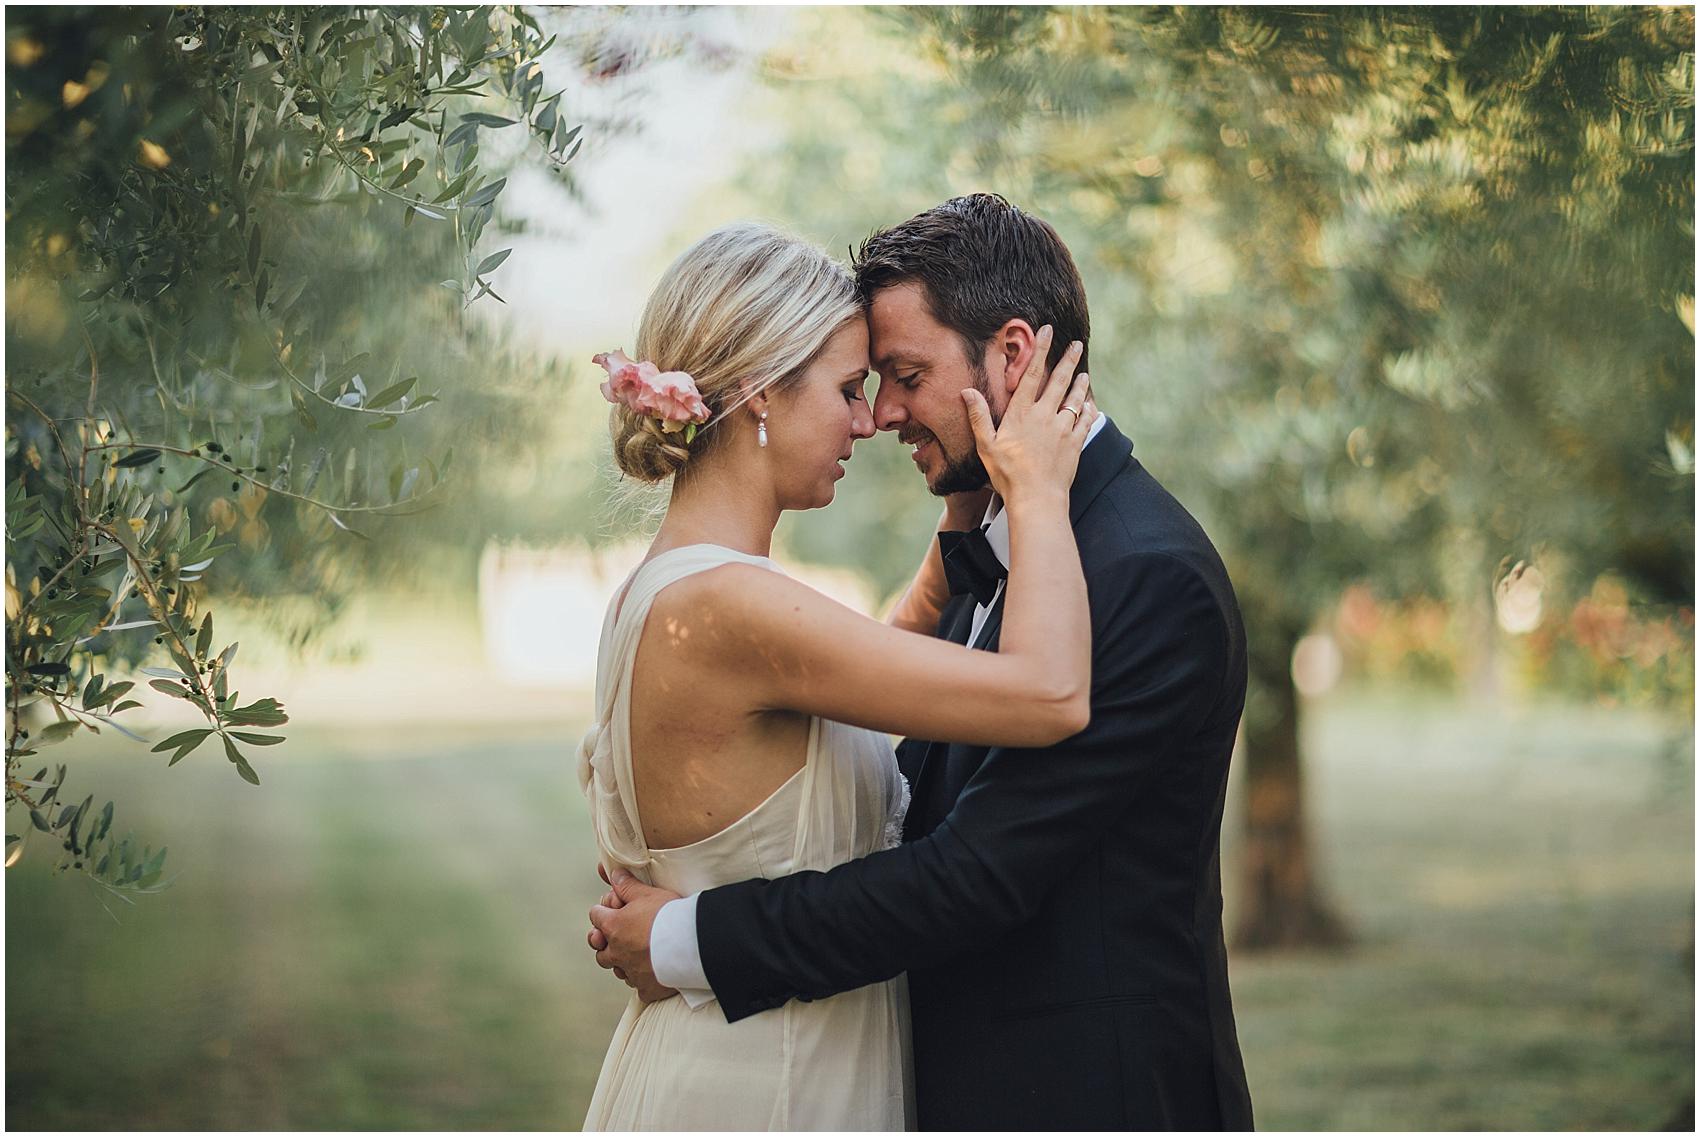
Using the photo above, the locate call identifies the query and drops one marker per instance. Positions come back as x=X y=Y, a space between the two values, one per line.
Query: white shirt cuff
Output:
x=674 y=954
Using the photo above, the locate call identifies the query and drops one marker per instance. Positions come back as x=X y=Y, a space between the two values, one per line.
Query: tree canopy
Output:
x=1399 y=296
x=203 y=204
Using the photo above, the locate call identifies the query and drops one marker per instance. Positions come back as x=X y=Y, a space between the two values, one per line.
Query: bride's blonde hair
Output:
x=745 y=310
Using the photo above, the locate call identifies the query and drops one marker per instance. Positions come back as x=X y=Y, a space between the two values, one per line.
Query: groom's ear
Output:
x=1014 y=344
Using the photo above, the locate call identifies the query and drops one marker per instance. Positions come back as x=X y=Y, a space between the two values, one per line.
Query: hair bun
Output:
x=743 y=310
x=643 y=450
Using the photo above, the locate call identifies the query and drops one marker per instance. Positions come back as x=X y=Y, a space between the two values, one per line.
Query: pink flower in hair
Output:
x=670 y=396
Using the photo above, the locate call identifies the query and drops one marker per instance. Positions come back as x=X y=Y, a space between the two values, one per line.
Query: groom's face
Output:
x=923 y=369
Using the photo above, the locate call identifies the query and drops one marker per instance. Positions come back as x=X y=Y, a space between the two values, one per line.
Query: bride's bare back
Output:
x=702 y=754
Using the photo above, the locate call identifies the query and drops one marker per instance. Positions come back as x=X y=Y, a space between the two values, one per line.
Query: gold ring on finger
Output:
x=1073 y=411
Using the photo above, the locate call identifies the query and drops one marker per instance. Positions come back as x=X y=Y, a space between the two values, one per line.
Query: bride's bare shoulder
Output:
x=730 y=608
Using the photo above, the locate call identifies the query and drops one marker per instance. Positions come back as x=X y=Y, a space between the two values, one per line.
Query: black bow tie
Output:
x=970 y=565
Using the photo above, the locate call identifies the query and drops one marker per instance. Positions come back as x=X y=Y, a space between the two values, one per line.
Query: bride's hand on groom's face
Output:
x=620 y=927
x=1035 y=448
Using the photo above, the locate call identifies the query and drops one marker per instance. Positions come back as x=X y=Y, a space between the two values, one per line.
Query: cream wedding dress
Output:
x=837 y=1063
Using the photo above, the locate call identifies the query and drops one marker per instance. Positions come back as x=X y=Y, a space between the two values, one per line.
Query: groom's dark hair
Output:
x=981 y=262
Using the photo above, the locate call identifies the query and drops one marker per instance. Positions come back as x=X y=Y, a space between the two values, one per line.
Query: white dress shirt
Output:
x=674 y=954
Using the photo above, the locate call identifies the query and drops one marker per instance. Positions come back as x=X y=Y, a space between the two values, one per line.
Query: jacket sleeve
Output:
x=1160 y=655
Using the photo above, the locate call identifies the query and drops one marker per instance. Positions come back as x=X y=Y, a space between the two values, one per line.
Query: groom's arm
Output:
x=1161 y=654
x=674 y=956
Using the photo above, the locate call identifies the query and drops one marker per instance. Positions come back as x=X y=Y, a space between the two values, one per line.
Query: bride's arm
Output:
x=783 y=645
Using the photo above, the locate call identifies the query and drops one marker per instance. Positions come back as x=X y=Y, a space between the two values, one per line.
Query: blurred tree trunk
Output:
x=1481 y=651
x=1281 y=904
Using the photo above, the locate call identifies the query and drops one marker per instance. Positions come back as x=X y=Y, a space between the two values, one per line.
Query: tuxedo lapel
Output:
x=955 y=622
x=990 y=629
x=1106 y=456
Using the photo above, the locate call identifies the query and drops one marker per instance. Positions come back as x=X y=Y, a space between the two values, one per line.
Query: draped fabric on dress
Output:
x=837 y=1063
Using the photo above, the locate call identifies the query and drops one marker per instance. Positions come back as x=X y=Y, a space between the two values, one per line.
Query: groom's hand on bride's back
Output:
x=620 y=932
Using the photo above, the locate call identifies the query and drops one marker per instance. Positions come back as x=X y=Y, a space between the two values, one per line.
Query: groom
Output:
x=1058 y=911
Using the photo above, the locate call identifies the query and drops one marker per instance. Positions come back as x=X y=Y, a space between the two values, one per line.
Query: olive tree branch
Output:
x=393 y=509
x=308 y=387
x=161 y=610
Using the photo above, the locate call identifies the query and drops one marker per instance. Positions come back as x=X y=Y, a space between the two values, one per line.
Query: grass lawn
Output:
x=389 y=934
x=1521 y=885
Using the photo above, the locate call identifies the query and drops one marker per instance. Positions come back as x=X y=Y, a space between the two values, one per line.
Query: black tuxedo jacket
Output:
x=1058 y=910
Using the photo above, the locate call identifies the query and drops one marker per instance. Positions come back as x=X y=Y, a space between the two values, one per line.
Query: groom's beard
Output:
x=965 y=473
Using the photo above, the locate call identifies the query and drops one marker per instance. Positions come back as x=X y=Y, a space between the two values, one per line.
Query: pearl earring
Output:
x=761 y=429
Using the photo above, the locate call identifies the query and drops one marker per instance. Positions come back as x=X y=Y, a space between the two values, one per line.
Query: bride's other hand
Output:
x=1036 y=447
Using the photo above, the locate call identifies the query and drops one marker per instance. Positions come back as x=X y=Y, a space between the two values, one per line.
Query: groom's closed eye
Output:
x=893 y=369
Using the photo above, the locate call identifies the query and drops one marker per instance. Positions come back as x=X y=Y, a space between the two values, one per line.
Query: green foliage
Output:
x=1426 y=270
x=1402 y=295
x=196 y=200
x=1395 y=296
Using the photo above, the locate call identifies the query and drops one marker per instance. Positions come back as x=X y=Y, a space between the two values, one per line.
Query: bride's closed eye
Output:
x=854 y=392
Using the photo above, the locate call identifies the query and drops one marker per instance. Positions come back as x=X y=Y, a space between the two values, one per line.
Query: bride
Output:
x=742 y=718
